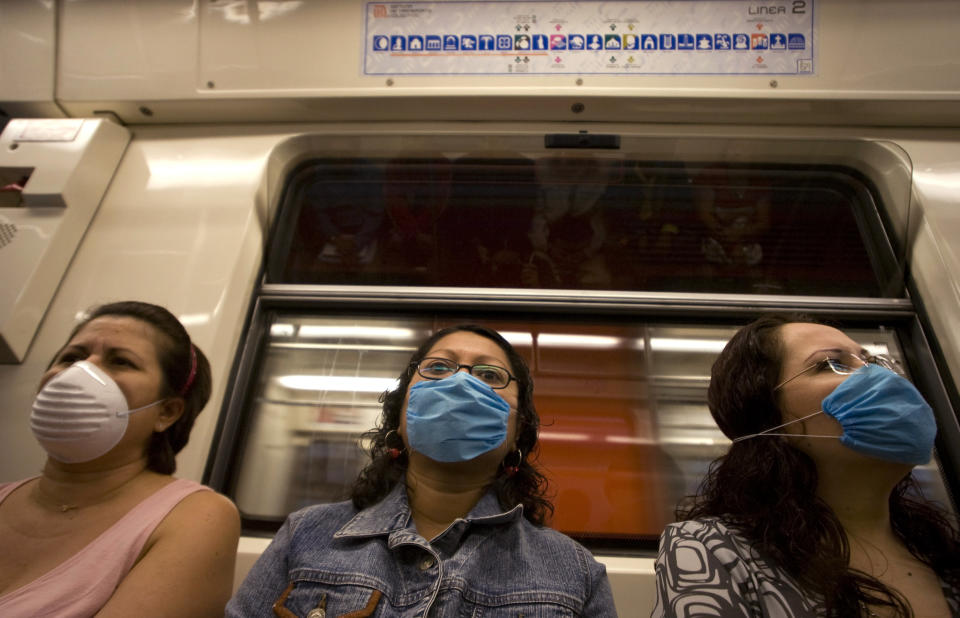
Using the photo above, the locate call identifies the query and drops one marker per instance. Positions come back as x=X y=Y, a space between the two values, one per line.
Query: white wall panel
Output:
x=935 y=250
x=27 y=47
x=136 y=50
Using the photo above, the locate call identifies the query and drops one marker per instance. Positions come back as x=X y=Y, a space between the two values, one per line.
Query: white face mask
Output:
x=80 y=414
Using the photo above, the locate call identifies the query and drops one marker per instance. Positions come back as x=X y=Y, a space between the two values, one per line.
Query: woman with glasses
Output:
x=448 y=517
x=813 y=511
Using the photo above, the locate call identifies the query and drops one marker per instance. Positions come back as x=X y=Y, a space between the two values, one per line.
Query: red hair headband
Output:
x=193 y=371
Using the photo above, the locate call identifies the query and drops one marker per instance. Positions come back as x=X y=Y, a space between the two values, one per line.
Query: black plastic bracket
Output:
x=582 y=140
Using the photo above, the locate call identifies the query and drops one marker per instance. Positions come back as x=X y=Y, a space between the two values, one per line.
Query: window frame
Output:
x=924 y=361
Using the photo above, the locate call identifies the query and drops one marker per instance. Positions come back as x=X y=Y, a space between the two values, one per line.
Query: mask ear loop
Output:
x=797 y=435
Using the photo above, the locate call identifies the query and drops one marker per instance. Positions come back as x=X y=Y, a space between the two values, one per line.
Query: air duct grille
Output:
x=7 y=233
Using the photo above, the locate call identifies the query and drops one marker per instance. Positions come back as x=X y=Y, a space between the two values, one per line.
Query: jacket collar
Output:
x=393 y=513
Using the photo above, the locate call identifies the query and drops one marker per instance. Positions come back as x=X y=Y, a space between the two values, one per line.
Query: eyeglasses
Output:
x=845 y=363
x=433 y=368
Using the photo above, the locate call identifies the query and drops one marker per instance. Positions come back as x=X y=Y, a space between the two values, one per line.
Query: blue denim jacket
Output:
x=493 y=563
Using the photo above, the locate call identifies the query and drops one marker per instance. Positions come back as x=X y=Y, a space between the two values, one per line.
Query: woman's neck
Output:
x=438 y=496
x=860 y=497
x=67 y=486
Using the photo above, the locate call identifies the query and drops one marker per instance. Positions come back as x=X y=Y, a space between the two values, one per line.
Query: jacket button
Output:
x=426 y=563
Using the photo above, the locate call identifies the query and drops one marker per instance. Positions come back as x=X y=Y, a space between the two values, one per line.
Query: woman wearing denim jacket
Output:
x=447 y=519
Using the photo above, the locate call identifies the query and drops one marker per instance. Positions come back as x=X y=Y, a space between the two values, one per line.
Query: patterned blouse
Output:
x=707 y=569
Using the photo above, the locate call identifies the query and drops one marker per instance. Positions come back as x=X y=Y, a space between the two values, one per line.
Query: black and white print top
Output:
x=707 y=569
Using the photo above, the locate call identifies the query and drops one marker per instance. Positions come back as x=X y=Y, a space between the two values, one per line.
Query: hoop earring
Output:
x=393 y=451
x=510 y=470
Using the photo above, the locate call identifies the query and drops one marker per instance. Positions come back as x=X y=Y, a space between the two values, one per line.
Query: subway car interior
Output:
x=315 y=187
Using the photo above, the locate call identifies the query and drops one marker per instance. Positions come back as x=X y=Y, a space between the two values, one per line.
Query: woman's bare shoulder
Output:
x=205 y=506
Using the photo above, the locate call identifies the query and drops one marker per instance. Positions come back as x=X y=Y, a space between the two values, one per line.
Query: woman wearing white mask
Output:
x=106 y=530
x=813 y=511
x=448 y=518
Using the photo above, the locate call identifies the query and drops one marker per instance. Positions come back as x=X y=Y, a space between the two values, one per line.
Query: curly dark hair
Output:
x=767 y=488
x=176 y=357
x=527 y=486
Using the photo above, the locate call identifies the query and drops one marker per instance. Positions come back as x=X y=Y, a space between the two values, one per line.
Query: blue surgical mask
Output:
x=882 y=415
x=455 y=419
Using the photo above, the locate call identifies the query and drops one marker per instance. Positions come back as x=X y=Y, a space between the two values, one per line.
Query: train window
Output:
x=583 y=223
x=625 y=428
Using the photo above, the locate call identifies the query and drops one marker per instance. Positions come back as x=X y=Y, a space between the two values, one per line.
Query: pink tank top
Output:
x=82 y=584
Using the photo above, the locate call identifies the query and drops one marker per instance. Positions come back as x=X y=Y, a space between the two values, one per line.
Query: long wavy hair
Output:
x=767 y=488
x=176 y=355
x=527 y=486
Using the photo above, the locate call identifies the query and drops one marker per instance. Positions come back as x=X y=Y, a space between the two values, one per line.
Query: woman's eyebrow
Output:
x=72 y=347
x=484 y=359
x=131 y=352
x=440 y=353
x=481 y=359
x=824 y=351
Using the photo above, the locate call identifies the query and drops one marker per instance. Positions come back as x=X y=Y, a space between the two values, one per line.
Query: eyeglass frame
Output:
x=469 y=368
x=881 y=360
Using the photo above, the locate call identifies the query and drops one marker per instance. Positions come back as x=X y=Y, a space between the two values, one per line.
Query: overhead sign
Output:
x=678 y=37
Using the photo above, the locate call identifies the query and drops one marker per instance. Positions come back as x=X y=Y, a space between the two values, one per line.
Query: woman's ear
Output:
x=170 y=410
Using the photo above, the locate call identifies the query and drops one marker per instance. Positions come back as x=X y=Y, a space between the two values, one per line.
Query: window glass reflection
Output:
x=582 y=222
